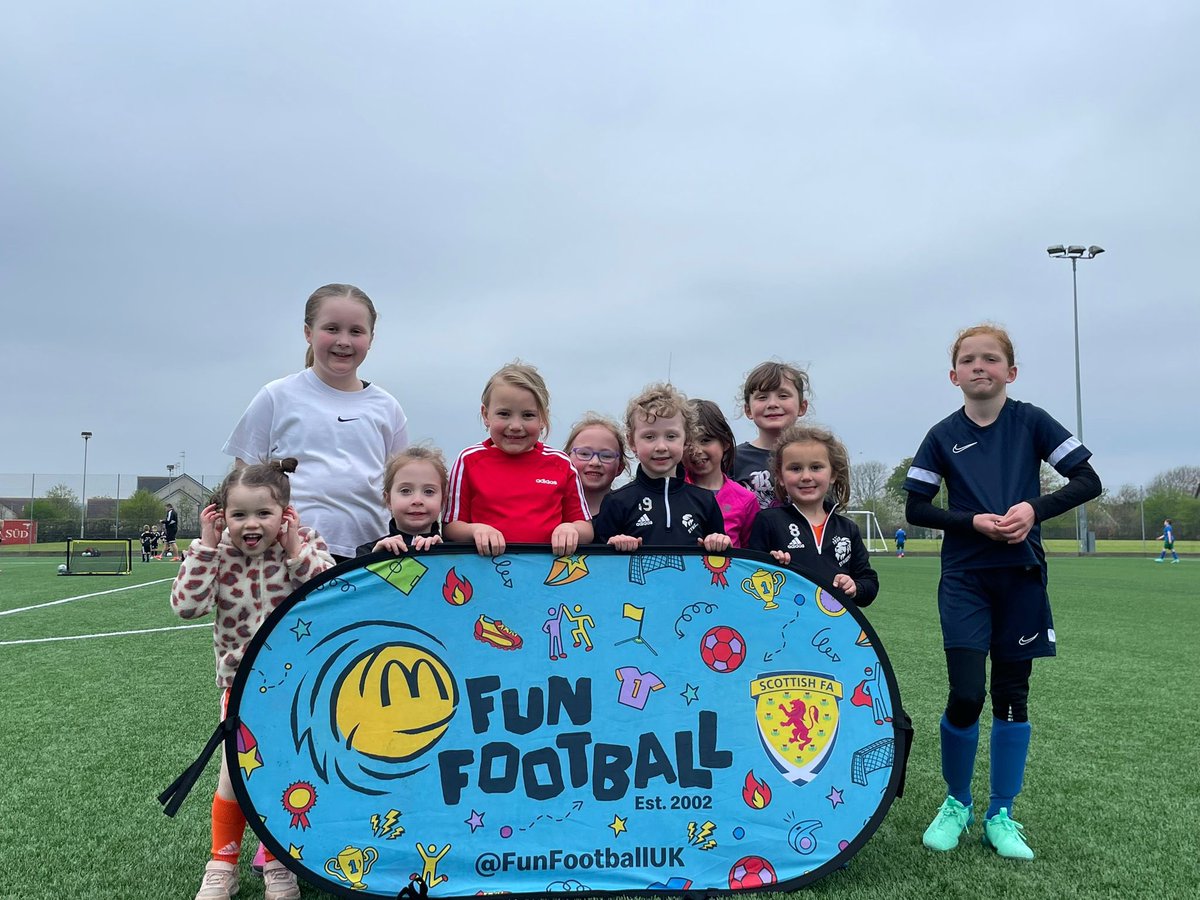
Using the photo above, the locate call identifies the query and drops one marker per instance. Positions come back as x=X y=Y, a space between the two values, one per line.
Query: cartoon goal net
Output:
x=872 y=758
x=92 y=557
x=641 y=565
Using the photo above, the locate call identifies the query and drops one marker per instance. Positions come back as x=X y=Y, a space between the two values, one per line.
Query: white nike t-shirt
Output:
x=342 y=440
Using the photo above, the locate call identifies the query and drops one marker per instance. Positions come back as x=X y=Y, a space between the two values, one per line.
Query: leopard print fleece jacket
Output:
x=244 y=590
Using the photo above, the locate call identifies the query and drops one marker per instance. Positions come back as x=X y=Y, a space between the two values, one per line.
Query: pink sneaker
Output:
x=260 y=860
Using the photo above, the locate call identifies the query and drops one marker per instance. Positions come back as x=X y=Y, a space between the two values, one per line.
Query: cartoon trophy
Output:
x=352 y=866
x=765 y=586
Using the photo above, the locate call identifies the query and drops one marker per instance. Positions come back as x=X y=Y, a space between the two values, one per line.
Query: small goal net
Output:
x=92 y=557
x=868 y=525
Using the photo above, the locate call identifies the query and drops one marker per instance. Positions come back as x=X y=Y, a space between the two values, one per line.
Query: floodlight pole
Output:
x=1073 y=253
x=86 y=435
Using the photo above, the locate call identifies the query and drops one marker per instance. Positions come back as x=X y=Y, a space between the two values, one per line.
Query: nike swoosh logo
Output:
x=355 y=419
x=958 y=449
x=1027 y=640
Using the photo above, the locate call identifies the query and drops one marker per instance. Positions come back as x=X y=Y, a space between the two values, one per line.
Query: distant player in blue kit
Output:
x=901 y=537
x=992 y=594
x=1168 y=539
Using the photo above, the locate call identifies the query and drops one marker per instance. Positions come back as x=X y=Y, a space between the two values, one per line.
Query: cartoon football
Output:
x=751 y=873
x=723 y=649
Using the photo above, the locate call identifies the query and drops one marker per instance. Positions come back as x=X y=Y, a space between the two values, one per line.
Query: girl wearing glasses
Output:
x=597 y=450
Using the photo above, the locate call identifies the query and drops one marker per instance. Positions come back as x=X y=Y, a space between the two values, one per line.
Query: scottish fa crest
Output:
x=797 y=715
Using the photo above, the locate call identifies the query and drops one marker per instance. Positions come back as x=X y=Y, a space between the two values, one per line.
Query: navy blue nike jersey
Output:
x=987 y=469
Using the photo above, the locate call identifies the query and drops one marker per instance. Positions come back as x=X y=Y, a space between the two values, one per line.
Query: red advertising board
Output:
x=18 y=531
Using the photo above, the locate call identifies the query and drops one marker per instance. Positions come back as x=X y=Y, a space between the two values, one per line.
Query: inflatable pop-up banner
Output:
x=594 y=723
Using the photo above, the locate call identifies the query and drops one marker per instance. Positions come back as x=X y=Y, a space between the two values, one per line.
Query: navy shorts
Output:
x=1005 y=612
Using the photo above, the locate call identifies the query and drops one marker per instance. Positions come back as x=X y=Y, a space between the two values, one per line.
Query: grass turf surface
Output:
x=91 y=730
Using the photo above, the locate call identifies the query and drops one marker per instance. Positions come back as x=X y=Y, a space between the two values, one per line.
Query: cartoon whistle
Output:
x=765 y=586
x=352 y=866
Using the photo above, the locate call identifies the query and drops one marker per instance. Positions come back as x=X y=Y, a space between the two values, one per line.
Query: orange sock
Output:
x=228 y=826
x=267 y=857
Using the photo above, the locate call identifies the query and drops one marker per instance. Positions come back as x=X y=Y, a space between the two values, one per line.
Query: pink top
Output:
x=739 y=506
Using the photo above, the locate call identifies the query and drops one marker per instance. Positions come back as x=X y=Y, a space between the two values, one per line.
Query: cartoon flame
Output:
x=757 y=794
x=456 y=590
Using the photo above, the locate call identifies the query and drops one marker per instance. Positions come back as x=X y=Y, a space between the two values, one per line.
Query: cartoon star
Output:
x=834 y=796
x=248 y=760
x=295 y=852
x=618 y=825
x=300 y=629
x=690 y=693
x=576 y=563
x=476 y=821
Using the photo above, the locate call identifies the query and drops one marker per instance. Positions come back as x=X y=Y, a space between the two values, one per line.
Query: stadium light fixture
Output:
x=86 y=435
x=1076 y=252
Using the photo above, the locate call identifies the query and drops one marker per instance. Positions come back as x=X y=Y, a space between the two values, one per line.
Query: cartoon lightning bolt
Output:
x=706 y=831
x=392 y=816
x=691 y=832
x=375 y=824
x=396 y=832
x=708 y=846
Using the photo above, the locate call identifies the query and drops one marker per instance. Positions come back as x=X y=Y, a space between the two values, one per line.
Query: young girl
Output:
x=342 y=429
x=811 y=469
x=774 y=396
x=251 y=554
x=512 y=487
x=992 y=593
x=413 y=487
x=708 y=462
x=659 y=508
x=597 y=450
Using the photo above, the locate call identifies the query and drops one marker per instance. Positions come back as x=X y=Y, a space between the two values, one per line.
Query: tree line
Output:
x=1117 y=514
x=58 y=516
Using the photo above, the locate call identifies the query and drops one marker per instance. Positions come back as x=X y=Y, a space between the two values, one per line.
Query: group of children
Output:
x=152 y=538
x=359 y=489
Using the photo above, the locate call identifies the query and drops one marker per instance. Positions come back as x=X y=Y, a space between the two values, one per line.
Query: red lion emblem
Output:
x=800 y=718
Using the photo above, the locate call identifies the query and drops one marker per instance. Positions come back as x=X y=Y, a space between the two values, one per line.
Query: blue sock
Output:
x=958 y=758
x=1010 y=747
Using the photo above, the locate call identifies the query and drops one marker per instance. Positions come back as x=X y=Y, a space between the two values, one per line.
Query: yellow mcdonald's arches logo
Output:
x=797 y=715
x=395 y=702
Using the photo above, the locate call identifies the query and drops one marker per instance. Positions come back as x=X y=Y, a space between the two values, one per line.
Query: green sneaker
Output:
x=951 y=821
x=1004 y=836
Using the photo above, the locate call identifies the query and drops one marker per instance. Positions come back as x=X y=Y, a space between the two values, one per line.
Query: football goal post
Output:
x=92 y=557
x=868 y=524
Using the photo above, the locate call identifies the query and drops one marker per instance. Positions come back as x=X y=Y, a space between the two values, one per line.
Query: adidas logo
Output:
x=643 y=522
x=796 y=544
x=545 y=481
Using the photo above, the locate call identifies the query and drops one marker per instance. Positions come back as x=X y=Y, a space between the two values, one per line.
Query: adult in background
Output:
x=170 y=524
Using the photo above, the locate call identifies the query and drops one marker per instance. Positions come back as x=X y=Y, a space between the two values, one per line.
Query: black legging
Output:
x=1010 y=687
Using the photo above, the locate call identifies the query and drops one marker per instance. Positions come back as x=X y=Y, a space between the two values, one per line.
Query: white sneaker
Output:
x=280 y=882
x=220 y=881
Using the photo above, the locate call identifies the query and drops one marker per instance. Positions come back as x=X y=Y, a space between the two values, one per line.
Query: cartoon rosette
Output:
x=727 y=718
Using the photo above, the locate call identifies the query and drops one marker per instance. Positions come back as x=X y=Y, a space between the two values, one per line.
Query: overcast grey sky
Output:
x=603 y=190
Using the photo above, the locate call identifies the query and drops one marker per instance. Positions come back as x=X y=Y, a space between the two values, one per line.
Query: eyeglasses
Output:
x=585 y=454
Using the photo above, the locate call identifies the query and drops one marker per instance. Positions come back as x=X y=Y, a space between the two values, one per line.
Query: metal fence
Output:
x=118 y=506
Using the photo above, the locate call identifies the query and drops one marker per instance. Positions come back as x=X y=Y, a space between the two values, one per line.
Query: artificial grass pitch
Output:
x=92 y=729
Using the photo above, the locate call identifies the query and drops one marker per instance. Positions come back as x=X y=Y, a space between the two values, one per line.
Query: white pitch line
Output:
x=84 y=637
x=132 y=587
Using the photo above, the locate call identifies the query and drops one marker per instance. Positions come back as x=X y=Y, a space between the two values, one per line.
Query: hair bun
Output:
x=287 y=465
